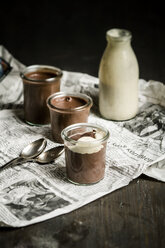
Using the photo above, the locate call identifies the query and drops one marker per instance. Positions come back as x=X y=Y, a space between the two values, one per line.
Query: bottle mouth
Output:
x=118 y=34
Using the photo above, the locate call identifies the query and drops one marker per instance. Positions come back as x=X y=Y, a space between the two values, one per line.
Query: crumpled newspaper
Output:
x=11 y=95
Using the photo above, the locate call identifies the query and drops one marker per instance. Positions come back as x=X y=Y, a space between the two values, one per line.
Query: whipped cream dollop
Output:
x=87 y=144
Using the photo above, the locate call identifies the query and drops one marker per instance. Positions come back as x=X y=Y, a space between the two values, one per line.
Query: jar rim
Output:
x=79 y=125
x=44 y=68
x=118 y=34
x=86 y=98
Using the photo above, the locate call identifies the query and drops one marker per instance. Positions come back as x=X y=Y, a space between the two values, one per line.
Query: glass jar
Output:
x=39 y=82
x=85 y=152
x=118 y=77
x=66 y=109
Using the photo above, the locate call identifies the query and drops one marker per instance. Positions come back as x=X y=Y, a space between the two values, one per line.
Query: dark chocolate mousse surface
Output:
x=85 y=168
x=40 y=75
x=68 y=102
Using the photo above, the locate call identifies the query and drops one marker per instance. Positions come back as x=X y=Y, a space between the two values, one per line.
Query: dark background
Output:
x=71 y=35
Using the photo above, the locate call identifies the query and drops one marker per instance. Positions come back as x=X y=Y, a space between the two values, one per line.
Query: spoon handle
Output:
x=13 y=162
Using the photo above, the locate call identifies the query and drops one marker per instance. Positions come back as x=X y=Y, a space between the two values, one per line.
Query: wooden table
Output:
x=130 y=217
x=72 y=36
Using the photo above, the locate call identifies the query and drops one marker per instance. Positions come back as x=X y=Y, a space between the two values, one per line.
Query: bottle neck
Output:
x=120 y=44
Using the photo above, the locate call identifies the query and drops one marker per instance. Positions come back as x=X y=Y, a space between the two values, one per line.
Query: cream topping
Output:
x=87 y=145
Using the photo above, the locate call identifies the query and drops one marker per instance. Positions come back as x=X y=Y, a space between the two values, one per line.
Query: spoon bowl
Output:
x=34 y=149
x=50 y=155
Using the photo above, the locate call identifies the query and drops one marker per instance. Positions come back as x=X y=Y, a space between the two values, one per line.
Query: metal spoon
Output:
x=30 y=151
x=49 y=156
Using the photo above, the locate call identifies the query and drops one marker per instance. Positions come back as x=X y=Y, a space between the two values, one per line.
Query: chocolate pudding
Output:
x=39 y=82
x=40 y=75
x=66 y=109
x=68 y=102
x=85 y=154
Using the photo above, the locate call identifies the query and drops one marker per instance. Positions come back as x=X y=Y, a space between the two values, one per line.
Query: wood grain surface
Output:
x=129 y=217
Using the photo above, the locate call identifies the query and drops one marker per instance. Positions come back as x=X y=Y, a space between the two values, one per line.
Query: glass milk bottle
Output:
x=118 y=77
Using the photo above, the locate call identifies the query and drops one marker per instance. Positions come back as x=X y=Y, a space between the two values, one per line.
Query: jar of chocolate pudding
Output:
x=39 y=82
x=66 y=109
x=85 y=152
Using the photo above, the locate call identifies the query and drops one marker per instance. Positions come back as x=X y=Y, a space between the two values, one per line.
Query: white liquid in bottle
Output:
x=118 y=77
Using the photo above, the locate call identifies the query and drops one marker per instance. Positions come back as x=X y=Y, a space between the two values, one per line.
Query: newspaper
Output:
x=31 y=193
